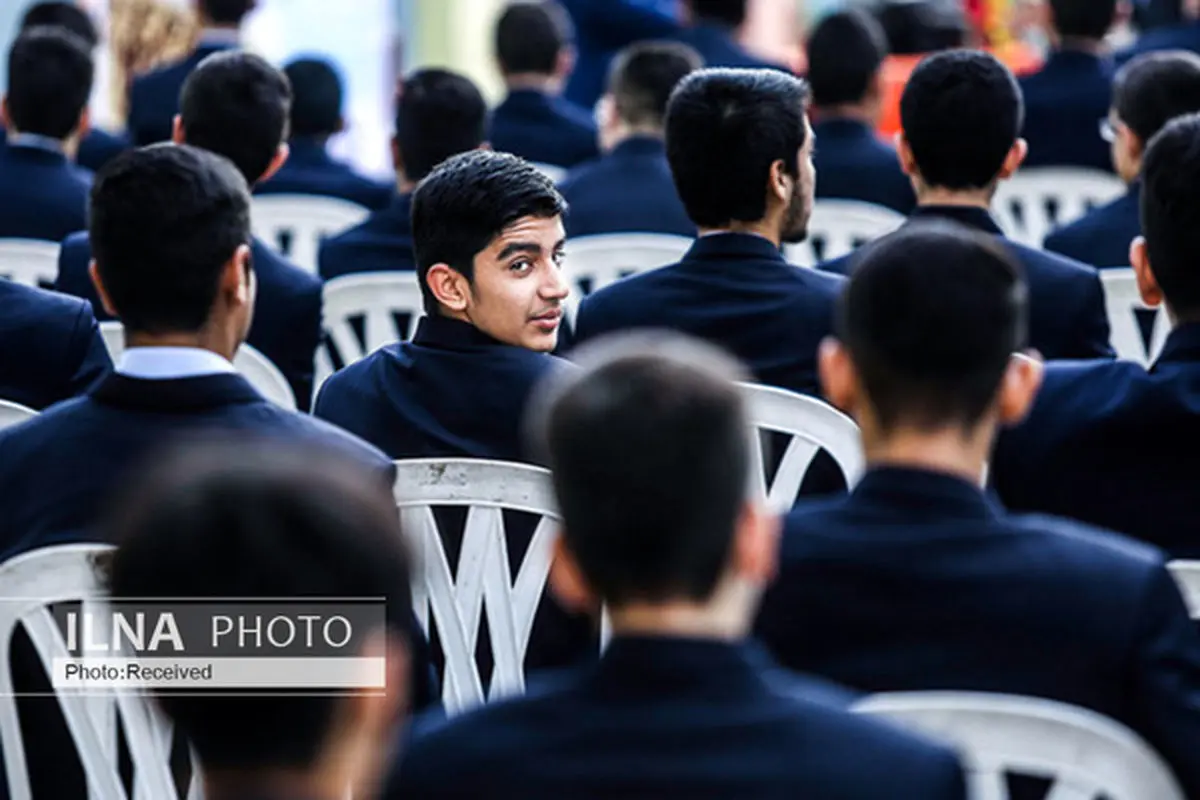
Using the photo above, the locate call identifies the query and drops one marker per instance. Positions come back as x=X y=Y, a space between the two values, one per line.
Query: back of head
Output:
x=731 y=13
x=62 y=14
x=225 y=12
x=961 y=113
x=923 y=26
x=643 y=76
x=237 y=105
x=1154 y=88
x=724 y=130
x=467 y=202
x=845 y=53
x=50 y=75
x=164 y=222
x=530 y=36
x=1170 y=209
x=229 y=521
x=648 y=446
x=316 y=97
x=930 y=318
x=1083 y=19
x=439 y=114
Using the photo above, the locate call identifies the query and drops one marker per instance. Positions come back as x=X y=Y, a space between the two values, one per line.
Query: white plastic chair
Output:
x=295 y=224
x=483 y=579
x=813 y=426
x=375 y=298
x=256 y=368
x=594 y=262
x=30 y=583
x=838 y=227
x=1122 y=301
x=1187 y=575
x=32 y=262
x=1035 y=201
x=553 y=172
x=1087 y=754
x=12 y=413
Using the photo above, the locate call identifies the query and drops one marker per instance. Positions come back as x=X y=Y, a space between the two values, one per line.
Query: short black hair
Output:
x=227 y=12
x=961 y=113
x=845 y=53
x=317 y=96
x=643 y=76
x=464 y=204
x=931 y=316
x=164 y=221
x=649 y=449
x=724 y=130
x=725 y=12
x=1170 y=205
x=50 y=75
x=439 y=114
x=60 y=14
x=914 y=28
x=225 y=520
x=1083 y=19
x=530 y=35
x=1154 y=88
x=236 y=104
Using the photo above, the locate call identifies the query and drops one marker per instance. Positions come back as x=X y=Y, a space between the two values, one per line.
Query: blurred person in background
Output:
x=602 y=28
x=1179 y=29
x=712 y=28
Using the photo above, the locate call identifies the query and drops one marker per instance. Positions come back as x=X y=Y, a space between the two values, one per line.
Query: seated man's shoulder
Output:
x=278 y=273
x=48 y=308
x=1053 y=266
x=1073 y=392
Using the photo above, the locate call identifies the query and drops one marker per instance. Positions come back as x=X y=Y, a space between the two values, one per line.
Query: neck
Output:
x=856 y=112
x=766 y=228
x=1079 y=44
x=203 y=340
x=949 y=450
x=679 y=619
x=235 y=785
x=546 y=84
x=967 y=198
x=623 y=132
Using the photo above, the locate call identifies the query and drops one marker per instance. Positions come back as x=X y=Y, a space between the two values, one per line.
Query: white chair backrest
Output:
x=30 y=584
x=838 y=227
x=387 y=303
x=295 y=224
x=594 y=262
x=483 y=579
x=256 y=368
x=812 y=425
x=1122 y=302
x=553 y=172
x=32 y=262
x=1035 y=201
x=1187 y=575
x=12 y=413
x=1088 y=755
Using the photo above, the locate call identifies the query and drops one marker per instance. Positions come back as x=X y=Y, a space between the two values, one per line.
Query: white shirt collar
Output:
x=171 y=363
x=36 y=140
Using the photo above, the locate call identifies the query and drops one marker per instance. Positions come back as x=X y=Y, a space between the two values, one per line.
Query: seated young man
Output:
x=918 y=580
x=650 y=458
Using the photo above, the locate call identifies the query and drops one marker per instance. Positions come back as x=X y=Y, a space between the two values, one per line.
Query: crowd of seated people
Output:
x=1023 y=490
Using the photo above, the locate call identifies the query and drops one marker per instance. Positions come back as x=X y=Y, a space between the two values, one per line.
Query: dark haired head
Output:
x=237 y=105
x=1170 y=208
x=531 y=36
x=961 y=113
x=439 y=114
x=930 y=320
x=643 y=76
x=845 y=53
x=50 y=76
x=229 y=520
x=648 y=447
x=1154 y=88
x=62 y=14
x=225 y=12
x=726 y=130
x=317 y=95
x=165 y=223
x=1087 y=20
x=730 y=13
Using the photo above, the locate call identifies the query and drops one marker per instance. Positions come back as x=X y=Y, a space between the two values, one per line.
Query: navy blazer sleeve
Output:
x=299 y=368
x=88 y=352
x=1091 y=326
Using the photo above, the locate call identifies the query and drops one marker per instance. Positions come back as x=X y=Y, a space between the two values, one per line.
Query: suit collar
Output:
x=725 y=246
x=527 y=98
x=435 y=330
x=1073 y=58
x=196 y=394
x=924 y=492
x=971 y=216
x=306 y=151
x=640 y=146
x=653 y=666
x=34 y=154
x=1182 y=346
x=841 y=128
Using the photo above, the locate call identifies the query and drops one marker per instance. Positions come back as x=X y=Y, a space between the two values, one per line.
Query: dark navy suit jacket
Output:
x=628 y=190
x=1115 y=445
x=154 y=97
x=917 y=581
x=716 y=45
x=42 y=194
x=1067 y=317
x=737 y=291
x=603 y=27
x=1064 y=103
x=50 y=346
x=853 y=164
x=287 y=312
x=97 y=148
x=311 y=170
x=1185 y=36
x=544 y=129
x=1102 y=237
x=674 y=718
x=380 y=243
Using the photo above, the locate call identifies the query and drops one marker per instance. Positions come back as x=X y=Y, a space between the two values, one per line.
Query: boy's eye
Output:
x=559 y=257
x=521 y=266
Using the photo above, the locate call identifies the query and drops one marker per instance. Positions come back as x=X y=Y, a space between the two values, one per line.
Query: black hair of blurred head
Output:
x=845 y=54
x=258 y=518
x=226 y=12
x=647 y=443
x=1170 y=206
x=1083 y=19
x=930 y=318
x=643 y=76
x=1154 y=88
x=913 y=28
x=50 y=74
x=466 y=202
x=317 y=97
x=438 y=114
x=730 y=13
x=530 y=36
x=62 y=14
